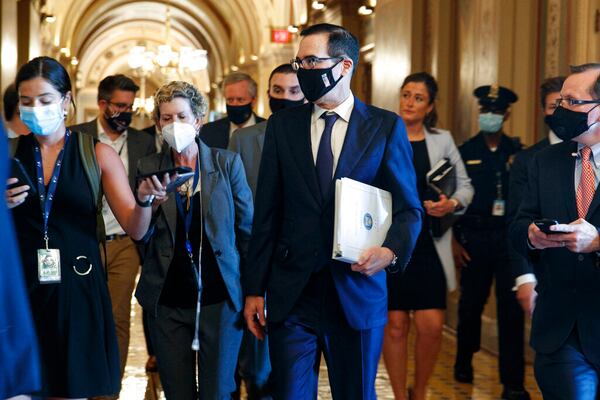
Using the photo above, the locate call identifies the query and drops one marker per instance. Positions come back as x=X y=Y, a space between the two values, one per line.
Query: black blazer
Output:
x=292 y=234
x=216 y=133
x=139 y=144
x=517 y=187
x=568 y=283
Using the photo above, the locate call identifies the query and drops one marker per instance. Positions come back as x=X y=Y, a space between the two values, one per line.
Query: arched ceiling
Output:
x=101 y=32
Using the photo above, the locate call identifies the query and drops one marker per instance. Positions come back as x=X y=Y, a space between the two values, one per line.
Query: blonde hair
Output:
x=184 y=90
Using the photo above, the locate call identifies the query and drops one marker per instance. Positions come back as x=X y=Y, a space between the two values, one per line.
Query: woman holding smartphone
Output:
x=56 y=229
x=190 y=282
x=422 y=288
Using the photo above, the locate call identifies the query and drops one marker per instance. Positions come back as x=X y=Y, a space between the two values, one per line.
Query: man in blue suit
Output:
x=19 y=359
x=562 y=186
x=316 y=305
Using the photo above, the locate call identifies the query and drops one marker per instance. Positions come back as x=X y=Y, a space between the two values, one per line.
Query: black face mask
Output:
x=280 y=104
x=239 y=114
x=119 y=122
x=316 y=83
x=567 y=124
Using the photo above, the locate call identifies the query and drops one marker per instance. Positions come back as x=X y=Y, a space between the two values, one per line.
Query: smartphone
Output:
x=545 y=224
x=18 y=171
x=183 y=175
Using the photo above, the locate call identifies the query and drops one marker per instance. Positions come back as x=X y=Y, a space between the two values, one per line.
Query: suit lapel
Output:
x=260 y=138
x=567 y=170
x=169 y=207
x=208 y=178
x=300 y=145
x=133 y=155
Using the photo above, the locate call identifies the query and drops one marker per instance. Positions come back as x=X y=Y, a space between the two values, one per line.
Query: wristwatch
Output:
x=144 y=204
x=392 y=268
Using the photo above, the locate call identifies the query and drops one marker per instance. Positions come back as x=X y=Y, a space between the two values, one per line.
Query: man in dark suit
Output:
x=562 y=186
x=284 y=92
x=521 y=268
x=317 y=305
x=115 y=105
x=239 y=90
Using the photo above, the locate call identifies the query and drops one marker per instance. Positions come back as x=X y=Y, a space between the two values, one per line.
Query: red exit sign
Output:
x=280 y=36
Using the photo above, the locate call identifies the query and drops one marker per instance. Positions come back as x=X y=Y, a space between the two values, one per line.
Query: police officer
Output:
x=483 y=245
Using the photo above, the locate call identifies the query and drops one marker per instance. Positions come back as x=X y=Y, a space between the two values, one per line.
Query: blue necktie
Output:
x=324 y=162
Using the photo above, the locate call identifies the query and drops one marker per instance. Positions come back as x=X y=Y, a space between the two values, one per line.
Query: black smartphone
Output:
x=18 y=171
x=183 y=175
x=545 y=224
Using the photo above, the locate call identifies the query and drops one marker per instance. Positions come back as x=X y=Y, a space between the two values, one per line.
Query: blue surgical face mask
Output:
x=43 y=120
x=490 y=122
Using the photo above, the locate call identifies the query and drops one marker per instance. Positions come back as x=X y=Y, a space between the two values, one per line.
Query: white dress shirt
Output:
x=112 y=227
x=338 y=133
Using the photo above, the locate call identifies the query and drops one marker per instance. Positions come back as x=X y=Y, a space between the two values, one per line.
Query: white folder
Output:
x=363 y=215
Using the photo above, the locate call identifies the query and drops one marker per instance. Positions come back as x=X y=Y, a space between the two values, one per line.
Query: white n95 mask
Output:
x=179 y=135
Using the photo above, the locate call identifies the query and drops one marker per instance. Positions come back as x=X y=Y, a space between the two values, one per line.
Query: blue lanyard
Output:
x=187 y=221
x=47 y=198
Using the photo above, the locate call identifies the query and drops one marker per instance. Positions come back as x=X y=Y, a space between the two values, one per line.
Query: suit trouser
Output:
x=489 y=258
x=316 y=325
x=255 y=366
x=566 y=373
x=172 y=332
x=122 y=266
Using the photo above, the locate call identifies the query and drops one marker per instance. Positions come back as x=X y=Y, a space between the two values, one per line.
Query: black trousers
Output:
x=490 y=259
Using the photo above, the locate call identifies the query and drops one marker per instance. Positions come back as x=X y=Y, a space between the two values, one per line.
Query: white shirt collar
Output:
x=343 y=110
x=553 y=138
x=251 y=121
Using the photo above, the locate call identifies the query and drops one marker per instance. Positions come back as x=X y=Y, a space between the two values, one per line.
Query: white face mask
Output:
x=43 y=120
x=179 y=135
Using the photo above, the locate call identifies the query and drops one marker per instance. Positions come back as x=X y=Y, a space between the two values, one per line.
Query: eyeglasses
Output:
x=121 y=107
x=575 y=102
x=310 y=62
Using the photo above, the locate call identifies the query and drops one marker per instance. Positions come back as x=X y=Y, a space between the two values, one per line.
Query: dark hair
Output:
x=432 y=89
x=282 y=69
x=47 y=68
x=10 y=101
x=550 y=85
x=115 y=82
x=595 y=89
x=340 y=41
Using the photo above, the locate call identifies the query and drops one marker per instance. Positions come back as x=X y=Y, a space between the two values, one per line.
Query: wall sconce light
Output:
x=74 y=61
x=49 y=18
x=293 y=28
x=318 y=4
x=365 y=10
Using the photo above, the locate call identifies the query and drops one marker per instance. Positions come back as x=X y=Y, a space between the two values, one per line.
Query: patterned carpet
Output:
x=138 y=385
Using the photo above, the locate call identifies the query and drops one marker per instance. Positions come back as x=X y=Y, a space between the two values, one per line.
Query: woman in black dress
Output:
x=422 y=288
x=70 y=304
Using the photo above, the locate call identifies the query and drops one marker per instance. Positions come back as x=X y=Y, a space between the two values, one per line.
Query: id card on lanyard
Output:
x=48 y=259
x=499 y=207
x=186 y=217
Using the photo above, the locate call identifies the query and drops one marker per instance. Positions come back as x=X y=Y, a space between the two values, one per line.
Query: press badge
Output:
x=498 y=208
x=48 y=265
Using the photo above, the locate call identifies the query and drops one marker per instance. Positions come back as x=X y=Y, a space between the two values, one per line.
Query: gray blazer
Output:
x=441 y=145
x=227 y=212
x=139 y=144
x=248 y=143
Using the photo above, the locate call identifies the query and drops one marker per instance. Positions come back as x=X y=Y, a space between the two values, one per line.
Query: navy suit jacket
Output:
x=293 y=226
x=216 y=133
x=19 y=360
x=568 y=283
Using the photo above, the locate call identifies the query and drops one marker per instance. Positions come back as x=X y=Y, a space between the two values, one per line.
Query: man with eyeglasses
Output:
x=116 y=94
x=562 y=188
x=316 y=305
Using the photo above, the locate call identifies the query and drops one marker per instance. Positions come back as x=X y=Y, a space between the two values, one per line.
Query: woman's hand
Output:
x=440 y=208
x=153 y=188
x=17 y=195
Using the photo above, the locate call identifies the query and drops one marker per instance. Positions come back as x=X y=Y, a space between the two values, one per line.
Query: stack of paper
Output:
x=363 y=215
